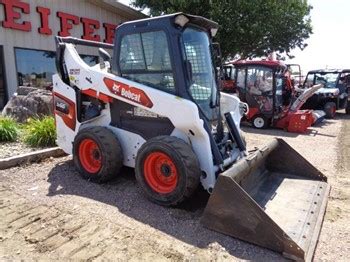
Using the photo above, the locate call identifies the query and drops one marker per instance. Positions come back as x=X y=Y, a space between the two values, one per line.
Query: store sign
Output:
x=13 y=10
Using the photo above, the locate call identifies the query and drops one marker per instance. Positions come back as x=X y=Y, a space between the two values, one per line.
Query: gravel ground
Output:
x=9 y=149
x=130 y=227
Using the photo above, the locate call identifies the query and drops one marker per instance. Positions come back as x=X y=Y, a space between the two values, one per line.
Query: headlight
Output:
x=181 y=20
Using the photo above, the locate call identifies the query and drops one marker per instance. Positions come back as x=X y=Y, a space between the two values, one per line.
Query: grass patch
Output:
x=40 y=132
x=8 y=129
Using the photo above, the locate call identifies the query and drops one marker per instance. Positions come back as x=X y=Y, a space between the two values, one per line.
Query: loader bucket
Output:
x=273 y=198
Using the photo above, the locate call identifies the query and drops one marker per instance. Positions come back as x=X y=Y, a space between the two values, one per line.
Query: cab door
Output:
x=259 y=89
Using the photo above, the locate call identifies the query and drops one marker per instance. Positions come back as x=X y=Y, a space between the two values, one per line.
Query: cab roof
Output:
x=325 y=71
x=193 y=19
x=268 y=63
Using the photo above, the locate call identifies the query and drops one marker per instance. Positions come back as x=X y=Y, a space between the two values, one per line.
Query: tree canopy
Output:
x=250 y=28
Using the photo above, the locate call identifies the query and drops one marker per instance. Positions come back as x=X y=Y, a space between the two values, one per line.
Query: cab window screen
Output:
x=131 y=55
x=197 y=53
x=145 y=58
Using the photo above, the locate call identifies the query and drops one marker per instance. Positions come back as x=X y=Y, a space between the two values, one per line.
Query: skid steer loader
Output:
x=155 y=106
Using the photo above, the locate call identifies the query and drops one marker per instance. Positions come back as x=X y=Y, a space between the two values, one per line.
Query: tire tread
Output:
x=189 y=159
x=111 y=149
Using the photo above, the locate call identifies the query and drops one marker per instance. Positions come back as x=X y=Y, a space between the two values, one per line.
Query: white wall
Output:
x=10 y=38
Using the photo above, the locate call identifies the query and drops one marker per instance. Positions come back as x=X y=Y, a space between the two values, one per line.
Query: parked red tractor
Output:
x=267 y=88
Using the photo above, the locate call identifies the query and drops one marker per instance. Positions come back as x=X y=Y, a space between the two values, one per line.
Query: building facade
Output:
x=28 y=27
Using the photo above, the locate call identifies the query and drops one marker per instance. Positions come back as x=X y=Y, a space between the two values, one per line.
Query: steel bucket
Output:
x=273 y=198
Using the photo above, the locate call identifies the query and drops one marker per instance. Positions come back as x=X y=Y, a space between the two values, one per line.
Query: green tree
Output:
x=248 y=28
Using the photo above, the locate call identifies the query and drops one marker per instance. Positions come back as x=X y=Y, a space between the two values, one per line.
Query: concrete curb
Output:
x=35 y=156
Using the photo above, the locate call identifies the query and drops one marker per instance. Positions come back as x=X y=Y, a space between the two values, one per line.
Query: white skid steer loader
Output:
x=155 y=106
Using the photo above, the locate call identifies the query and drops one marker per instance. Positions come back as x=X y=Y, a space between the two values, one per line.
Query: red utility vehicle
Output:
x=267 y=88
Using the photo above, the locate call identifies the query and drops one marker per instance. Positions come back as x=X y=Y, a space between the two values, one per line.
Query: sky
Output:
x=329 y=45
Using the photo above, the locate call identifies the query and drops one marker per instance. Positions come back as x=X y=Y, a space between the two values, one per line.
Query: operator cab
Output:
x=172 y=53
x=175 y=54
x=263 y=85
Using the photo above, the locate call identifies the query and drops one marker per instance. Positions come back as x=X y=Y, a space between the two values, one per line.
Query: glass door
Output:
x=3 y=93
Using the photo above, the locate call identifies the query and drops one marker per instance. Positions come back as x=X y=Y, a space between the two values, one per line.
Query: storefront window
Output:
x=36 y=67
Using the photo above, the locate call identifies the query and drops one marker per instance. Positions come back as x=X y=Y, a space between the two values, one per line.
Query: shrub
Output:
x=40 y=132
x=8 y=129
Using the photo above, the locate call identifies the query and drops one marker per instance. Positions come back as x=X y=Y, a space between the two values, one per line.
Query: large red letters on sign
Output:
x=109 y=29
x=14 y=9
x=89 y=27
x=11 y=15
x=67 y=21
x=44 y=18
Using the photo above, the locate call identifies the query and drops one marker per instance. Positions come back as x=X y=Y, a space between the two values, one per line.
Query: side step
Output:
x=273 y=198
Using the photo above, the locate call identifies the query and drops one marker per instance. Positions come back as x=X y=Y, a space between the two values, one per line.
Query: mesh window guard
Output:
x=145 y=59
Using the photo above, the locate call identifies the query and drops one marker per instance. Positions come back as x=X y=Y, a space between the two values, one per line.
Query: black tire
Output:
x=109 y=155
x=330 y=110
x=182 y=158
x=260 y=122
x=347 y=108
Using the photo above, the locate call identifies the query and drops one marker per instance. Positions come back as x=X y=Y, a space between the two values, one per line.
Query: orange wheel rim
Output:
x=90 y=155
x=160 y=172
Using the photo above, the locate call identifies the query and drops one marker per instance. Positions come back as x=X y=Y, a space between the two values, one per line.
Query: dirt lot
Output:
x=49 y=212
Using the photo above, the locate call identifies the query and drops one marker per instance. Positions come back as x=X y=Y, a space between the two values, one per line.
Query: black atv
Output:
x=334 y=95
